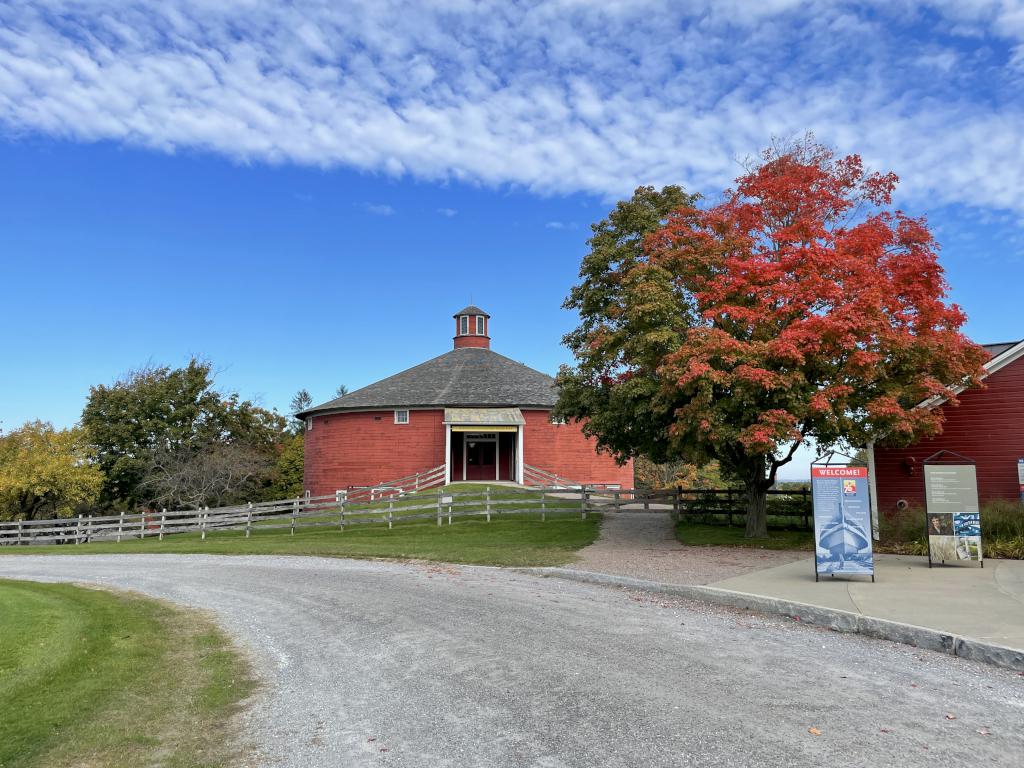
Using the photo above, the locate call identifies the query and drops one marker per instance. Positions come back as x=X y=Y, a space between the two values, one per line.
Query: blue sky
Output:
x=304 y=193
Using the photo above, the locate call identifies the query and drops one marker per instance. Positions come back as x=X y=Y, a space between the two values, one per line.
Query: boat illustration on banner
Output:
x=843 y=538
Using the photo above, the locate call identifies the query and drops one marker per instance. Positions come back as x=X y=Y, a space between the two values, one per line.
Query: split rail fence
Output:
x=379 y=506
x=337 y=511
x=714 y=506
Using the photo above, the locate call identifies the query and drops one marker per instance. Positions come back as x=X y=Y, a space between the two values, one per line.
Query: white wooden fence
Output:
x=340 y=510
x=336 y=511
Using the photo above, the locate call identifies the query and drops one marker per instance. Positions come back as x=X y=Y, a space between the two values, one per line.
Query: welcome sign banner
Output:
x=842 y=521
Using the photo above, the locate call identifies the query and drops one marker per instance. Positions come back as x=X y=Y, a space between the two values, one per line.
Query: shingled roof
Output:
x=994 y=350
x=472 y=309
x=469 y=376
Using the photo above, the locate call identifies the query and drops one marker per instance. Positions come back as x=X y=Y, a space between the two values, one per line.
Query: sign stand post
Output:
x=952 y=517
x=842 y=518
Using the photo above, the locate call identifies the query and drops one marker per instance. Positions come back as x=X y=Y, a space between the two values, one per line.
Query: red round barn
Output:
x=468 y=415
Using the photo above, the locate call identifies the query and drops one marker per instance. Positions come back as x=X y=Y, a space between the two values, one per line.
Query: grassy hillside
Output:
x=101 y=679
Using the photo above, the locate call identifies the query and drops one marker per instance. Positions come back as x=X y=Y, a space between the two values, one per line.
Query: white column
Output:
x=447 y=454
x=873 y=490
x=520 y=456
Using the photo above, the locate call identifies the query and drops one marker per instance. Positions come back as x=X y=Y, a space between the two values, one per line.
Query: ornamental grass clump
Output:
x=1002 y=530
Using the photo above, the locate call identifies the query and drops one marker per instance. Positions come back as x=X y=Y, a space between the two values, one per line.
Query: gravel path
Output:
x=386 y=664
x=643 y=545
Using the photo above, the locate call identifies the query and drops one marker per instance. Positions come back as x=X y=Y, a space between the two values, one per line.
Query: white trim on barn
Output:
x=996 y=363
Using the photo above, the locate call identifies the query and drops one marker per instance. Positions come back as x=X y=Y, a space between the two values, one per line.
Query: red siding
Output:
x=988 y=426
x=563 y=449
x=345 y=449
x=472 y=341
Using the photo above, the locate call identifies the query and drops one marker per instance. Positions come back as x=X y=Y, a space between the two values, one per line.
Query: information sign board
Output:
x=952 y=515
x=842 y=521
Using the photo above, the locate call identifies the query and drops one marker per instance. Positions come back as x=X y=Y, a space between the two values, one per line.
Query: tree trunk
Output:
x=757 y=514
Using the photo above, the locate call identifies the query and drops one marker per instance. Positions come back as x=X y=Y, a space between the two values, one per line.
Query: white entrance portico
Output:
x=483 y=444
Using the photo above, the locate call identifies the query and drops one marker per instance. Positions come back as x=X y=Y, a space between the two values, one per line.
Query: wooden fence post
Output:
x=78 y=531
x=677 y=504
x=248 y=520
x=730 y=505
x=438 y=508
x=163 y=521
x=120 y=525
x=295 y=513
x=391 y=508
x=487 y=507
x=19 y=533
x=341 y=497
x=543 y=506
x=202 y=522
x=584 y=502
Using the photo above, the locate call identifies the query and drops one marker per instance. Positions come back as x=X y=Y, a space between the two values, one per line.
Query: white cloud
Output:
x=557 y=97
x=379 y=209
x=447 y=212
x=554 y=225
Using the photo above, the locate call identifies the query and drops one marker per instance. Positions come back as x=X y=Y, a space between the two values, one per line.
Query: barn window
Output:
x=479 y=325
x=401 y=417
x=309 y=423
x=463 y=325
x=557 y=420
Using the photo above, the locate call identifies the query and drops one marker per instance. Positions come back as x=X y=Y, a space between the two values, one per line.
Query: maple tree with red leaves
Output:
x=802 y=307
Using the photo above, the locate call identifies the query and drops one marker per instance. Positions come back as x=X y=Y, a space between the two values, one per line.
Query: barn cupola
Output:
x=471 y=326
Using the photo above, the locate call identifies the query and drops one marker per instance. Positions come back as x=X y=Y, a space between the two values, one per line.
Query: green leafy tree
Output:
x=800 y=308
x=677 y=474
x=46 y=472
x=301 y=400
x=154 y=413
x=288 y=469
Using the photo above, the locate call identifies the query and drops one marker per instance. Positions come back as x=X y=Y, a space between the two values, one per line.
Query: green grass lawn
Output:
x=470 y=497
x=702 y=534
x=103 y=679
x=515 y=540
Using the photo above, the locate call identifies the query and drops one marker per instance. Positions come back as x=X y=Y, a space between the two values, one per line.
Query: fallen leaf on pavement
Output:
x=885 y=730
x=950 y=716
x=984 y=731
x=814 y=731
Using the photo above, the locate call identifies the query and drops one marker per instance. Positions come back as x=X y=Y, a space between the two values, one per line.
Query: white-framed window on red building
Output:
x=402 y=417
x=464 y=325
x=479 y=325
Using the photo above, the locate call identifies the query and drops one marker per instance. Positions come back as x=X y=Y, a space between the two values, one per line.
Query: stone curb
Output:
x=839 y=621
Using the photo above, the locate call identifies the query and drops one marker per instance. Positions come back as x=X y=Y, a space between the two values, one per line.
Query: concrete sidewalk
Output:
x=982 y=603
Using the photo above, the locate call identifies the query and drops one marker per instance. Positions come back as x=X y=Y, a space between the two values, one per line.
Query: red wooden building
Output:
x=987 y=426
x=472 y=412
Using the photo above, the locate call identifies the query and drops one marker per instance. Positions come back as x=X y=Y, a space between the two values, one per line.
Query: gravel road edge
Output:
x=839 y=621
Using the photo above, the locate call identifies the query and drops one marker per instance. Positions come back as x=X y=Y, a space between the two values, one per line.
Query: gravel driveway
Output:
x=373 y=663
x=643 y=545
